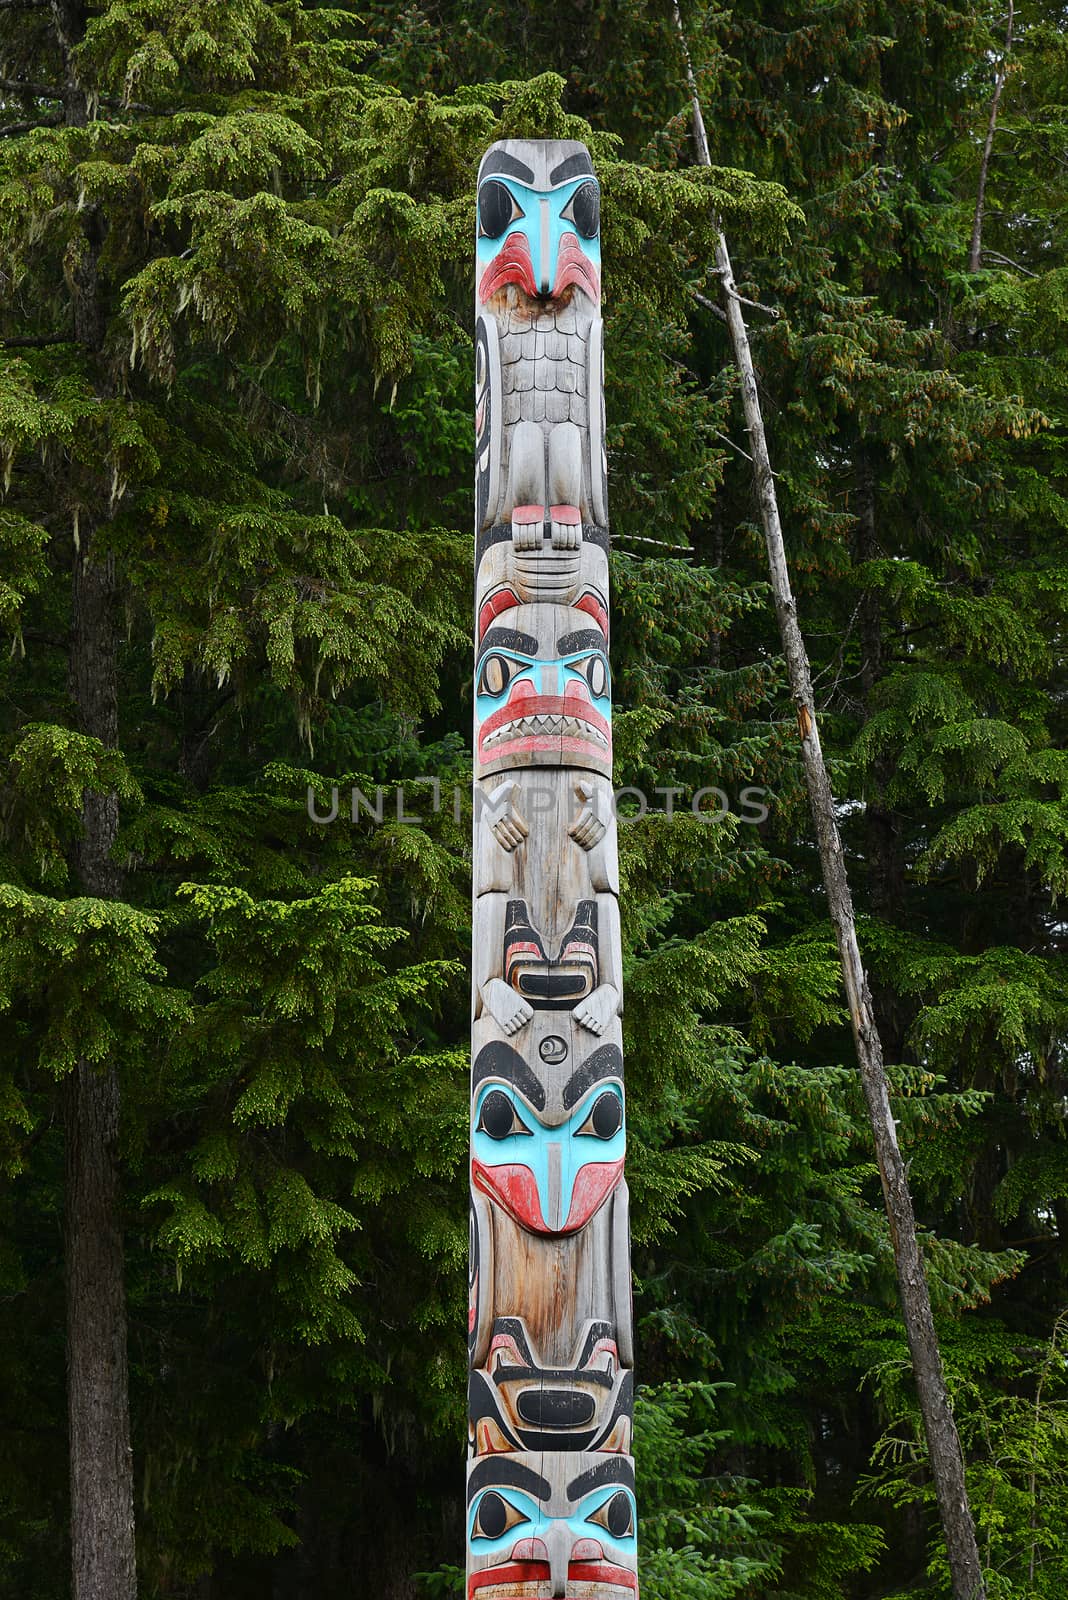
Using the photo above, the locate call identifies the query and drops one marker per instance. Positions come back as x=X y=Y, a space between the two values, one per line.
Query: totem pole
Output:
x=550 y=1486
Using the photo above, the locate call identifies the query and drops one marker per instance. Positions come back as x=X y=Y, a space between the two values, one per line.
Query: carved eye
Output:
x=615 y=1516
x=498 y=1117
x=496 y=209
x=495 y=1515
x=605 y=1118
x=596 y=675
x=496 y=674
x=584 y=210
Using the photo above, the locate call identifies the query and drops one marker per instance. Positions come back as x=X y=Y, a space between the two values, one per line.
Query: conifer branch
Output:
x=13 y=128
x=36 y=341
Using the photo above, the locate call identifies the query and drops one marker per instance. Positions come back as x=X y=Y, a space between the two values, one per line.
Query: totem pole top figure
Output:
x=539 y=220
x=539 y=409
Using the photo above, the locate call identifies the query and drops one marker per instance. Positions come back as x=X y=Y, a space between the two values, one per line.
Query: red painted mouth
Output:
x=537 y=1572
x=532 y=722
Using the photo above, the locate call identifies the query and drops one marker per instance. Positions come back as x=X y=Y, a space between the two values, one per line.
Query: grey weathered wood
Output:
x=943 y=1442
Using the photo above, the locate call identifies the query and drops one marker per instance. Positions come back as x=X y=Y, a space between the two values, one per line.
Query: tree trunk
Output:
x=103 y=1560
x=943 y=1442
x=975 y=248
x=101 y=1465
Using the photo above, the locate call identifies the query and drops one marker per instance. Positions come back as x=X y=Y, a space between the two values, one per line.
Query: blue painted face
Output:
x=553 y=708
x=536 y=223
x=499 y=1518
x=585 y=1153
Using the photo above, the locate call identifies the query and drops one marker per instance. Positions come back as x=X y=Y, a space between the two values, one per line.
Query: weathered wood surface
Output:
x=551 y=1482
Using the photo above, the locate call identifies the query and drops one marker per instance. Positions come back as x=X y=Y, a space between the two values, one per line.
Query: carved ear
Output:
x=487 y=422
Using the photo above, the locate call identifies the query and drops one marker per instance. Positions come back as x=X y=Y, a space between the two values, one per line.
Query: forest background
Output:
x=235 y=420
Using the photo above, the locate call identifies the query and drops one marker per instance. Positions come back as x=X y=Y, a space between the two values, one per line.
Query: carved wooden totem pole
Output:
x=550 y=1487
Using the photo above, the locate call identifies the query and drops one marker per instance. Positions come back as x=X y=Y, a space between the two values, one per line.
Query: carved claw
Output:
x=565 y=525
x=506 y=821
x=527 y=524
x=591 y=824
x=508 y=1009
x=597 y=1011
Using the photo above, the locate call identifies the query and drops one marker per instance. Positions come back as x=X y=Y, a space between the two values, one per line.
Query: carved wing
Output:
x=487 y=423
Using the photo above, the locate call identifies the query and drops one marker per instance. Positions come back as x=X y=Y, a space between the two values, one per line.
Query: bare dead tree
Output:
x=975 y=250
x=943 y=1441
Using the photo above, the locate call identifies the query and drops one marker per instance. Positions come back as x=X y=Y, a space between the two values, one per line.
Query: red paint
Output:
x=514 y=1188
x=602 y=1572
x=593 y=608
x=524 y=701
x=503 y=600
x=573 y=266
x=510 y=1572
x=594 y=1182
x=538 y=1572
x=511 y=264
x=527 y=515
x=570 y=515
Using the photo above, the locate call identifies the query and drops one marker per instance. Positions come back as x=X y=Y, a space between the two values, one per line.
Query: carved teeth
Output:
x=546 y=724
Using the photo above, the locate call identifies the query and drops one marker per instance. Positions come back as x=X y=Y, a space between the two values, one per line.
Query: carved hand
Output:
x=508 y=1009
x=591 y=824
x=596 y=1012
x=506 y=821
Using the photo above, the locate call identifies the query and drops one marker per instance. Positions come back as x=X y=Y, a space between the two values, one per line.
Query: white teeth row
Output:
x=556 y=726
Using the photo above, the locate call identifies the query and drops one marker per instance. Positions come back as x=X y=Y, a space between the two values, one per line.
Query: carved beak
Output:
x=558 y=1549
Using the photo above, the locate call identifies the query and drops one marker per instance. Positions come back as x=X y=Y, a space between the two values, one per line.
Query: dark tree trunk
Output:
x=101 y=1466
x=103 y=1562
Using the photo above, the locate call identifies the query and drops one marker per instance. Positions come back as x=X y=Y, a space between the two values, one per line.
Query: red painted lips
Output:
x=532 y=722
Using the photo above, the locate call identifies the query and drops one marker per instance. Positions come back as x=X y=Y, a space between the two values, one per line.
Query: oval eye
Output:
x=496 y=209
x=495 y=1515
x=596 y=675
x=605 y=1118
x=498 y=1117
x=616 y=1516
x=496 y=674
x=584 y=210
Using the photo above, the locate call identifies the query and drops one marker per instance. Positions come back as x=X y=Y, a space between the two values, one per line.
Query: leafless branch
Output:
x=976 y=248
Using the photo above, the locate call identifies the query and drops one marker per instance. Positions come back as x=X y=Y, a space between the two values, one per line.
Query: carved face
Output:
x=552 y=1525
x=539 y=227
x=518 y=1404
x=551 y=1166
x=508 y=578
x=543 y=693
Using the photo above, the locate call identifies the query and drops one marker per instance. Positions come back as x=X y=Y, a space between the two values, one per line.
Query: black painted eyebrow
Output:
x=605 y=1062
x=499 y=1470
x=508 y=639
x=615 y=1470
x=500 y=161
x=571 y=167
x=499 y=1060
x=584 y=639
